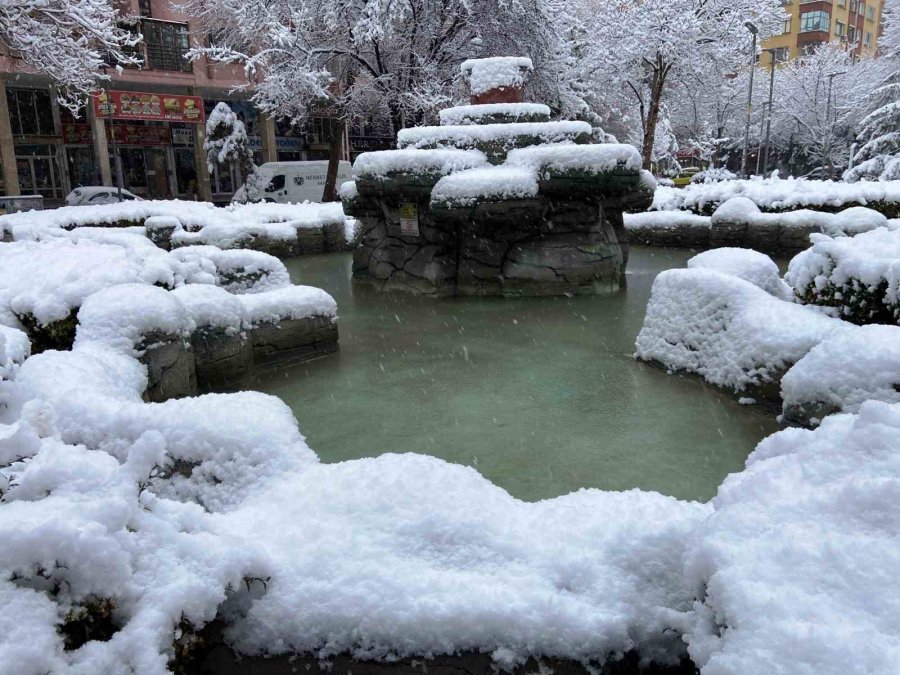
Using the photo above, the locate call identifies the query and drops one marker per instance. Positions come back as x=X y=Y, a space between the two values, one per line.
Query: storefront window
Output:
x=38 y=170
x=82 y=169
x=30 y=112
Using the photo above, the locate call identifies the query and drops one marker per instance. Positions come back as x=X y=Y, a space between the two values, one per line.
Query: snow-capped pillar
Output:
x=101 y=149
x=267 y=136
x=204 y=187
x=7 y=149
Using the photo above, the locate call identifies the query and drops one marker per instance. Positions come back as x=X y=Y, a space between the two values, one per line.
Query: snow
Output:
x=407 y=554
x=211 y=306
x=845 y=371
x=348 y=191
x=668 y=220
x=120 y=317
x=727 y=330
x=776 y=194
x=484 y=75
x=849 y=221
x=491 y=183
x=757 y=268
x=505 y=135
x=794 y=571
x=600 y=158
x=382 y=163
x=472 y=114
x=192 y=215
x=49 y=279
x=290 y=302
x=14 y=349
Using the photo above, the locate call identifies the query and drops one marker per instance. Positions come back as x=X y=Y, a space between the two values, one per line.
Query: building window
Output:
x=839 y=28
x=851 y=34
x=165 y=44
x=868 y=40
x=144 y=8
x=870 y=13
x=786 y=26
x=781 y=54
x=815 y=21
x=30 y=112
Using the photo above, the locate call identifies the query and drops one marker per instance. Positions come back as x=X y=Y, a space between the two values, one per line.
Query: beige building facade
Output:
x=150 y=119
x=814 y=22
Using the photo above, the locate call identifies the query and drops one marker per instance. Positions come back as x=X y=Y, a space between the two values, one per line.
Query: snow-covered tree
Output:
x=226 y=142
x=878 y=157
x=819 y=102
x=375 y=58
x=646 y=47
x=69 y=40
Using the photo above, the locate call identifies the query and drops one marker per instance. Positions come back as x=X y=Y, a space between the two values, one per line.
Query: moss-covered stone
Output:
x=58 y=334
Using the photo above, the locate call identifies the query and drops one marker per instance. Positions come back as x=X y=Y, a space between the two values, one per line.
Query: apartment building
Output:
x=813 y=22
x=152 y=117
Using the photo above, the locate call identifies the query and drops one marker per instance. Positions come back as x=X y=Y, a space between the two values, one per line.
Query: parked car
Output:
x=96 y=194
x=290 y=182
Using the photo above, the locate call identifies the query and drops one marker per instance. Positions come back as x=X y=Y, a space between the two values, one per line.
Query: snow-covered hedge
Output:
x=858 y=275
x=776 y=194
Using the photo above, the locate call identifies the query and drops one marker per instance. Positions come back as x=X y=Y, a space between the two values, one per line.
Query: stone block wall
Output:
x=541 y=246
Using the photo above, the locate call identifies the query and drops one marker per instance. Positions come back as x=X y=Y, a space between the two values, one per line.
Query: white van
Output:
x=290 y=182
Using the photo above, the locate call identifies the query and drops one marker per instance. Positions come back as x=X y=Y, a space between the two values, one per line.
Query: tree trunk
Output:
x=334 y=157
x=657 y=83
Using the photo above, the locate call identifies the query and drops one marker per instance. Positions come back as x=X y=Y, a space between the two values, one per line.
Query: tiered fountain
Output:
x=498 y=200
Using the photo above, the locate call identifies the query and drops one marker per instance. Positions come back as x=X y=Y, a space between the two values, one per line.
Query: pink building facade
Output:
x=45 y=150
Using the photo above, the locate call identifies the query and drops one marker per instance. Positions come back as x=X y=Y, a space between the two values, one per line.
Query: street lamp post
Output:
x=830 y=120
x=115 y=145
x=753 y=31
x=765 y=157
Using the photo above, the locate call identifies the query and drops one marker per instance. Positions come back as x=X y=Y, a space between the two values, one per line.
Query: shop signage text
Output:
x=135 y=105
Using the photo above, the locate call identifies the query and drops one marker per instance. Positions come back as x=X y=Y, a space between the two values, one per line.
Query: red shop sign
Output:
x=135 y=105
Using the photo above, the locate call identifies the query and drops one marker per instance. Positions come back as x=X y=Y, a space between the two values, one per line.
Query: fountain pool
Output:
x=541 y=395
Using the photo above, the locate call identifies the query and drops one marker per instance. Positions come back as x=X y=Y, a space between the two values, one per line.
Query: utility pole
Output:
x=753 y=31
x=765 y=157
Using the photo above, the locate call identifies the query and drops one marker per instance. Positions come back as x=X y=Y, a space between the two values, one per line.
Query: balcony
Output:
x=162 y=46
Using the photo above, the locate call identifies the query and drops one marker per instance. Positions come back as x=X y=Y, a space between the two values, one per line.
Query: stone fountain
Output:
x=497 y=200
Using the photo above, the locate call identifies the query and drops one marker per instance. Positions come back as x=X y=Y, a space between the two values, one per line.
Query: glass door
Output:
x=157 y=173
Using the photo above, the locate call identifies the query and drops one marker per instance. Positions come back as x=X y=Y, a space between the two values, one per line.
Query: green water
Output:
x=541 y=395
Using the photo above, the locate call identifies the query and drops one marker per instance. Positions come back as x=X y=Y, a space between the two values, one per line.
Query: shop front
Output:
x=147 y=131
